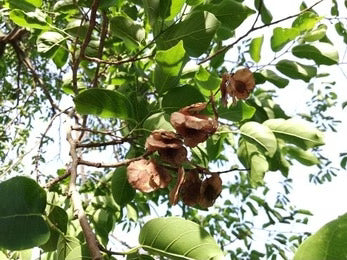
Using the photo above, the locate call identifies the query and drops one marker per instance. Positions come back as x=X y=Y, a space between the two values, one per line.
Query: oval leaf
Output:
x=328 y=243
x=302 y=156
x=240 y=112
x=320 y=52
x=122 y=191
x=255 y=48
x=281 y=36
x=49 y=42
x=207 y=80
x=34 y=20
x=260 y=135
x=104 y=103
x=265 y=14
x=178 y=238
x=21 y=216
x=296 y=132
x=272 y=77
x=296 y=70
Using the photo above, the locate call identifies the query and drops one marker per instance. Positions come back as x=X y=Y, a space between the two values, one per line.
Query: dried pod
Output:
x=210 y=190
x=147 y=176
x=168 y=145
x=238 y=85
x=174 y=193
x=195 y=128
x=190 y=191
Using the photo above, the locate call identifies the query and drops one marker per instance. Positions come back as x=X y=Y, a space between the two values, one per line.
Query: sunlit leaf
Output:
x=316 y=34
x=21 y=216
x=178 y=238
x=302 y=156
x=269 y=75
x=239 y=112
x=159 y=120
x=255 y=48
x=296 y=70
x=34 y=20
x=49 y=42
x=329 y=242
x=207 y=80
x=296 y=132
x=320 y=52
x=261 y=135
x=281 y=36
x=104 y=103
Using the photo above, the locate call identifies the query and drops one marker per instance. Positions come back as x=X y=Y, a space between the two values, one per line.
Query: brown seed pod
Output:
x=190 y=191
x=210 y=190
x=147 y=176
x=168 y=145
x=174 y=193
x=195 y=128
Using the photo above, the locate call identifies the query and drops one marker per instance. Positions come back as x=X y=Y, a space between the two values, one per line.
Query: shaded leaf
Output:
x=61 y=56
x=49 y=42
x=316 y=34
x=296 y=132
x=122 y=191
x=239 y=112
x=159 y=120
x=265 y=14
x=296 y=70
x=269 y=75
x=21 y=216
x=196 y=31
x=329 y=242
x=104 y=103
x=255 y=48
x=320 y=52
x=65 y=245
x=178 y=238
x=34 y=20
x=169 y=67
x=207 y=80
x=302 y=156
x=127 y=30
x=261 y=135
x=25 y=5
x=179 y=97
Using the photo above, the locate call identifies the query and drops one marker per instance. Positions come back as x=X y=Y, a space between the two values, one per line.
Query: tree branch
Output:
x=94 y=144
x=117 y=62
x=252 y=29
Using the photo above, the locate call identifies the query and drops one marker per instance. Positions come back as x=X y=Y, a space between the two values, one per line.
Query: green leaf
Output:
x=58 y=218
x=230 y=13
x=104 y=103
x=179 y=97
x=302 y=156
x=159 y=120
x=265 y=14
x=178 y=238
x=169 y=67
x=79 y=252
x=306 y=21
x=317 y=34
x=22 y=204
x=320 y=52
x=122 y=191
x=34 y=20
x=127 y=30
x=255 y=48
x=237 y=113
x=61 y=56
x=25 y=5
x=207 y=80
x=269 y=75
x=175 y=8
x=196 y=31
x=253 y=158
x=49 y=42
x=156 y=9
x=260 y=134
x=279 y=161
x=103 y=223
x=281 y=36
x=65 y=6
x=296 y=132
x=65 y=245
x=296 y=70
x=77 y=28
x=328 y=243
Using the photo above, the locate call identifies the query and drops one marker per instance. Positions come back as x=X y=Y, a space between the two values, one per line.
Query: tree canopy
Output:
x=163 y=116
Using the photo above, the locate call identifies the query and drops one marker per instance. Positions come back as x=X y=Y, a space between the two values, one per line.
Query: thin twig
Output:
x=94 y=144
x=57 y=180
x=117 y=62
x=252 y=29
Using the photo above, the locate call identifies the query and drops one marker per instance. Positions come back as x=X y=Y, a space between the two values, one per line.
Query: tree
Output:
x=152 y=108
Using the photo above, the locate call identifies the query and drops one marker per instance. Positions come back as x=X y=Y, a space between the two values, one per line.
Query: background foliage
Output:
x=97 y=77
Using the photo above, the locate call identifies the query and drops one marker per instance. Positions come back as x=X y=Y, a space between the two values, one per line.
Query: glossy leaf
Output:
x=316 y=34
x=320 y=52
x=207 y=80
x=179 y=97
x=127 y=30
x=281 y=36
x=230 y=13
x=58 y=218
x=196 y=31
x=159 y=120
x=253 y=158
x=296 y=70
x=306 y=21
x=329 y=242
x=49 y=42
x=302 y=156
x=179 y=239
x=260 y=134
x=239 y=112
x=269 y=75
x=265 y=14
x=255 y=48
x=296 y=132
x=169 y=67
x=122 y=191
x=104 y=103
x=34 y=20
x=21 y=216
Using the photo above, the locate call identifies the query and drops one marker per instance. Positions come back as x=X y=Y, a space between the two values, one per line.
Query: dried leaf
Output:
x=173 y=196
